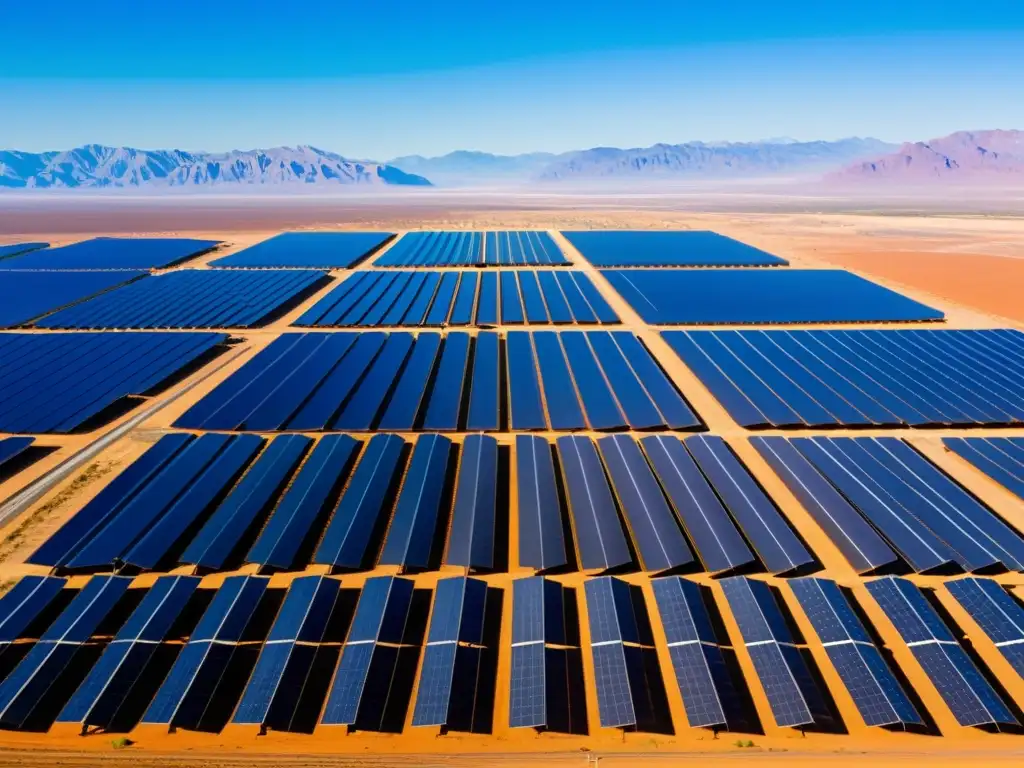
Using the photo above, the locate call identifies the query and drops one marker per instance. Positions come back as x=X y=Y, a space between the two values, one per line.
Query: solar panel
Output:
x=442 y=412
x=114 y=253
x=59 y=382
x=860 y=544
x=878 y=695
x=471 y=540
x=997 y=458
x=599 y=403
x=718 y=543
x=709 y=694
x=80 y=529
x=305 y=502
x=525 y=408
x=667 y=248
x=12 y=249
x=600 y=541
x=192 y=298
x=538 y=617
x=400 y=413
x=457 y=617
x=623 y=689
x=184 y=694
x=961 y=684
x=328 y=250
x=23 y=604
x=25 y=296
x=379 y=623
x=124 y=661
x=42 y=667
x=303 y=618
x=348 y=537
x=564 y=405
x=998 y=614
x=794 y=697
x=709 y=297
x=659 y=542
x=411 y=533
x=541 y=543
x=484 y=406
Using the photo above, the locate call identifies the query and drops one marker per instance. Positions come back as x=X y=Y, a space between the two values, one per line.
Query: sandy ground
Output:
x=973 y=270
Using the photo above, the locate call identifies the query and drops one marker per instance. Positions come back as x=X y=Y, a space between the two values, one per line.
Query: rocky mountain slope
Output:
x=98 y=166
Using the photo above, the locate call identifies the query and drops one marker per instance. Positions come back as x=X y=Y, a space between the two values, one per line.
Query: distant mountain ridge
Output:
x=961 y=156
x=662 y=161
x=99 y=166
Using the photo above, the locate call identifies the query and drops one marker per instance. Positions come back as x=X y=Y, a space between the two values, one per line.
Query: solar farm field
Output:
x=462 y=495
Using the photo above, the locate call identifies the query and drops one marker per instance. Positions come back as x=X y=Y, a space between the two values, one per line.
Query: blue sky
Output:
x=385 y=78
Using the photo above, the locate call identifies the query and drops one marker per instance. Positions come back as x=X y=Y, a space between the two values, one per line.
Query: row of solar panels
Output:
x=25 y=296
x=421 y=297
x=218 y=501
x=737 y=296
x=464 y=249
x=188 y=298
x=1002 y=459
x=380 y=641
x=106 y=253
x=487 y=382
x=663 y=248
x=660 y=503
x=63 y=381
x=860 y=378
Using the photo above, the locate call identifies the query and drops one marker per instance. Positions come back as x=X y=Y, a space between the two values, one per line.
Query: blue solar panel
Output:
x=707 y=297
x=472 y=536
x=659 y=542
x=113 y=253
x=484 y=411
x=347 y=539
x=600 y=541
x=328 y=250
x=718 y=543
x=860 y=544
x=410 y=391
x=192 y=298
x=999 y=615
x=59 y=382
x=878 y=695
x=220 y=536
x=624 y=248
x=793 y=695
x=541 y=544
x=25 y=296
x=636 y=404
x=12 y=447
x=23 y=604
x=411 y=533
x=538 y=617
x=525 y=408
x=969 y=696
x=1002 y=459
x=197 y=670
x=434 y=249
x=303 y=618
x=516 y=248
x=42 y=667
x=12 y=249
x=305 y=502
x=511 y=301
x=599 y=403
x=442 y=412
x=705 y=684
x=564 y=406
x=125 y=659
x=889 y=377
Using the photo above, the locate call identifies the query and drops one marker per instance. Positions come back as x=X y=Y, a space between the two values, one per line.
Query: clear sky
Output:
x=380 y=78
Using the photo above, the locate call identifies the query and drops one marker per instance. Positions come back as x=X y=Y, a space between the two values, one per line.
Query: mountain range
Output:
x=964 y=156
x=98 y=166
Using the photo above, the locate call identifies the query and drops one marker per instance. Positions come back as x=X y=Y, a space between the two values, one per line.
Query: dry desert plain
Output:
x=971 y=266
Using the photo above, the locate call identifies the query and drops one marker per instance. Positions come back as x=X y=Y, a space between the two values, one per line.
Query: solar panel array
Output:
x=469 y=249
x=860 y=378
x=192 y=298
x=58 y=382
x=113 y=253
x=997 y=612
x=909 y=507
x=684 y=248
x=308 y=250
x=13 y=249
x=461 y=298
x=957 y=679
x=737 y=296
x=1001 y=458
x=793 y=694
x=397 y=381
x=12 y=447
x=25 y=296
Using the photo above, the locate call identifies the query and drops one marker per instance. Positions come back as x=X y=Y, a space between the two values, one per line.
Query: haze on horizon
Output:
x=399 y=78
